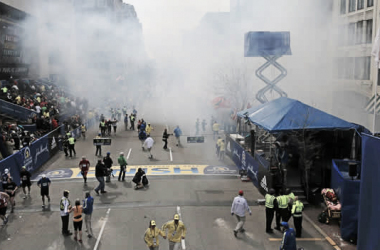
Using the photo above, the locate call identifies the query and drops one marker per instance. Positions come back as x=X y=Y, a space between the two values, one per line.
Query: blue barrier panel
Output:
x=347 y=191
x=369 y=208
x=16 y=111
x=34 y=156
x=14 y=168
x=257 y=170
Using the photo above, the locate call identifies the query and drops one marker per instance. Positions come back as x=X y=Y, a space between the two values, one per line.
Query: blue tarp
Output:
x=287 y=114
x=264 y=43
x=348 y=191
x=369 y=208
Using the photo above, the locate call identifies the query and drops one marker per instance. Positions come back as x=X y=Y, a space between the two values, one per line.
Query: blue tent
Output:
x=285 y=114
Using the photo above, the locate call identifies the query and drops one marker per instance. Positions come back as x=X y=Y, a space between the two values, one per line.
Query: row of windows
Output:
x=11 y=53
x=356 y=33
x=354 y=5
x=354 y=68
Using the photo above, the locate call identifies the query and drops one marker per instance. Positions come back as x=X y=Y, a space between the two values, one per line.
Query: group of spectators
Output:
x=52 y=107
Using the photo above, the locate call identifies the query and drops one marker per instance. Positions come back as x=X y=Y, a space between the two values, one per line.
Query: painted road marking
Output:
x=299 y=239
x=171 y=155
x=102 y=229
x=158 y=170
x=129 y=153
x=180 y=217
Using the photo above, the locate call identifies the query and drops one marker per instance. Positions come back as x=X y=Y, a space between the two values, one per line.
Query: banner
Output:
x=35 y=155
x=54 y=141
x=15 y=111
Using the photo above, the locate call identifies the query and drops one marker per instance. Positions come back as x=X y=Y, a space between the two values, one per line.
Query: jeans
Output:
x=101 y=184
x=122 y=172
x=98 y=150
x=87 y=220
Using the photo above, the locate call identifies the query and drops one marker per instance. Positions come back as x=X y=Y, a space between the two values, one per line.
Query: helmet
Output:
x=176 y=217
x=44 y=176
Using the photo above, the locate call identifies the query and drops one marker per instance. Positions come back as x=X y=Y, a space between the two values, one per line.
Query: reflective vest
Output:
x=102 y=124
x=269 y=199
x=297 y=209
x=71 y=141
x=61 y=205
x=83 y=128
x=5 y=89
x=283 y=201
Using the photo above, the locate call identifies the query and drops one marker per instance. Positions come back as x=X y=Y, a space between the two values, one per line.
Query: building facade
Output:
x=355 y=26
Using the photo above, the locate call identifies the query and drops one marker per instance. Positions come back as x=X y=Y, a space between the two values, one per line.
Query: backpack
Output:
x=322 y=217
x=145 y=180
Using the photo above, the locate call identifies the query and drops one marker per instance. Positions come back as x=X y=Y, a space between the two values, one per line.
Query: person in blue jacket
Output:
x=88 y=204
x=177 y=133
x=289 y=238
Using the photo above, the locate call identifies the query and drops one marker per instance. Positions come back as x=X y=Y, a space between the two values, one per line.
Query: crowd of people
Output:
x=52 y=106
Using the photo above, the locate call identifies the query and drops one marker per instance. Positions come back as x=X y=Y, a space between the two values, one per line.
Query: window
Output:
x=351 y=5
x=341 y=33
x=342 y=7
x=369 y=3
x=349 y=63
x=359 y=32
x=362 y=68
x=360 y=4
x=368 y=31
x=351 y=34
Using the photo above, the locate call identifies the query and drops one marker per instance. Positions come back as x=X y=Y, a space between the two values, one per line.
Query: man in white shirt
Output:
x=148 y=143
x=239 y=208
x=65 y=213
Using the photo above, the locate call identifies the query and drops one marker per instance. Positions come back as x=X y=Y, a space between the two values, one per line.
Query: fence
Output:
x=16 y=111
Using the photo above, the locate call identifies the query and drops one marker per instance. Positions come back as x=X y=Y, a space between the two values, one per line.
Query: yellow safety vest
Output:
x=269 y=199
x=297 y=209
x=71 y=141
x=5 y=89
x=282 y=201
x=102 y=124
x=62 y=206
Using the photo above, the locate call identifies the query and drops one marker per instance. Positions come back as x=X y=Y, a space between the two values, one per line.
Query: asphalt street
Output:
x=202 y=199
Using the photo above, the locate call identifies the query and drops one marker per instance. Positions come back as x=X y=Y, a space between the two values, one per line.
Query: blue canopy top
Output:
x=287 y=114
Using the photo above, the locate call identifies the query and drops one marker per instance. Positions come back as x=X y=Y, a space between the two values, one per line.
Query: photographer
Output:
x=108 y=163
x=140 y=179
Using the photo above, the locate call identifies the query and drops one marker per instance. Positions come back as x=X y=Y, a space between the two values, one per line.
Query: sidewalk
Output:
x=332 y=229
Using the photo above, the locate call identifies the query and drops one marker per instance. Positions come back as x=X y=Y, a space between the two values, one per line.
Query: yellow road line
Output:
x=332 y=243
x=337 y=248
x=298 y=239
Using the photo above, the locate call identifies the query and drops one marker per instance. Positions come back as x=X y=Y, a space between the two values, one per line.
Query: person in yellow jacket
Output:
x=148 y=129
x=222 y=149
x=151 y=236
x=218 y=146
x=176 y=232
x=297 y=216
x=215 y=129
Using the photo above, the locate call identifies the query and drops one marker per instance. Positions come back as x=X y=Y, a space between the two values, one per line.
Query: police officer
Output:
x=108 y=163
x=297 y=215
x=270 y=206
x=65 y=145
x=289 y=238
x=132 y=119
x=65 y=207
x=291 y=197
x=98 y=147
x=282 y=211
x=102 y=126
x=72 y=145
x=176 y=232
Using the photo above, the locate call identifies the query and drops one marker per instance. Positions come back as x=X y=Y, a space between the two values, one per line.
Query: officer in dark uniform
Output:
x=108 y=163
x=270 y=206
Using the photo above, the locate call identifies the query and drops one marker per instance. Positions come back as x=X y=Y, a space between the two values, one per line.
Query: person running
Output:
x=25 y=180
x=10 y=188
x=148 y=144
x=151 y=236
x=4 y=200
x=123 y=165
x=177 y=133
x=44 y=184
x=114 y=124
x=88 y=204
x=176 y=232
x=78 y=220
x=84 y=166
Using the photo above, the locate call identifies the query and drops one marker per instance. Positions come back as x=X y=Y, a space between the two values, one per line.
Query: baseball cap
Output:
x=285 y=224
x=83 y=157
x=152 y=223
x=176 y=217
x=6 y=171
x=44 y=176
x=122 y=153
x=241 y=192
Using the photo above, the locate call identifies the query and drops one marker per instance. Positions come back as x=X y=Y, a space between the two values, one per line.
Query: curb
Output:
x=332 y=243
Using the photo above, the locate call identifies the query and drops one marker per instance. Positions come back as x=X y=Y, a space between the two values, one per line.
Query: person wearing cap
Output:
x=72 y=141
x=239 y=208
x=123 y=165
x=4 y=177
x=25 y=180
x=289 y=238
x=108 y=163
x=65 y=207
x=176 y=232
x=84 y=166
x=10 y=188
x=98 y=147
x=44 y=184
x=151 y=236
x=4 y=200
x=88 y=204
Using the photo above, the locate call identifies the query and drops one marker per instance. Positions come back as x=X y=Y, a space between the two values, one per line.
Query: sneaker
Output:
x=89 y=236
x=43 y=205
x=235 y=233
x=242 y=230
x=96 y=191
x=24 y=197
x=103 y=192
